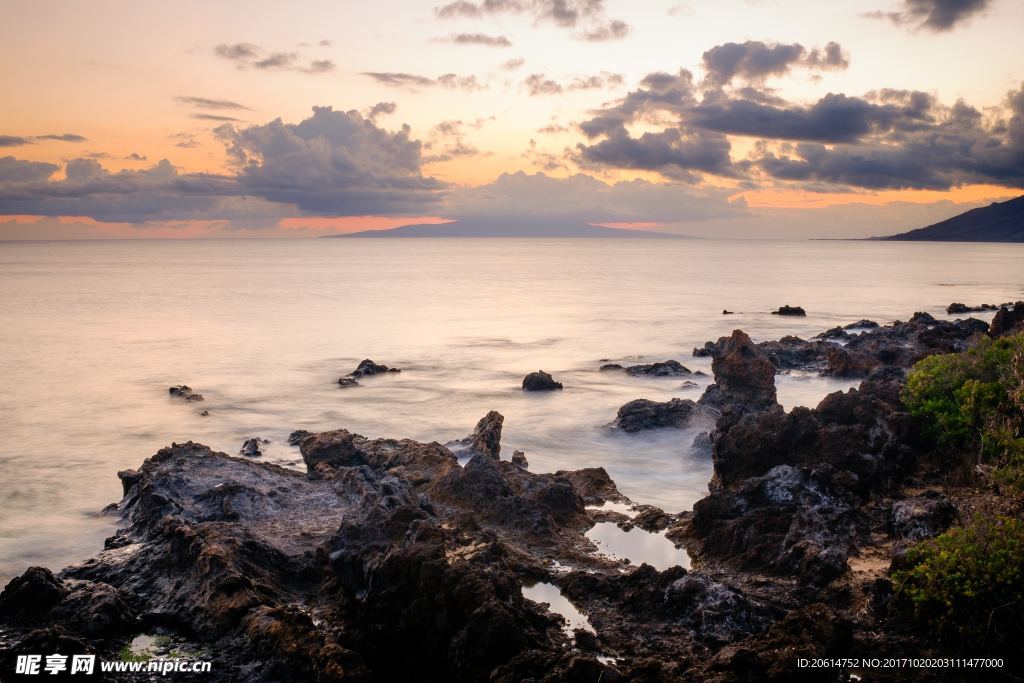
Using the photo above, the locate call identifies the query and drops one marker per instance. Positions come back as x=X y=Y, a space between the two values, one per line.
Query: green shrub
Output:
x=967 y=585
x=974 y=402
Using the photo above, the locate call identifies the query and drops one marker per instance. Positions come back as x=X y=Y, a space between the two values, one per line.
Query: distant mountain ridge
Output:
x=510 y=229
x=997 y=222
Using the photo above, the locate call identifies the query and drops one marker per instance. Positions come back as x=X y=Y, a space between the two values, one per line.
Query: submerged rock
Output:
x=540 y=381
x=608 y=367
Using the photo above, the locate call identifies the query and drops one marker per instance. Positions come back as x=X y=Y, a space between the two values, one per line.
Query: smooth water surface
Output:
x=93 y=333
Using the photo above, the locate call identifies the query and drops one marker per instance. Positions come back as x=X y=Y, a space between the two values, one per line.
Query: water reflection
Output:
x=638 y=546
x=542 y=592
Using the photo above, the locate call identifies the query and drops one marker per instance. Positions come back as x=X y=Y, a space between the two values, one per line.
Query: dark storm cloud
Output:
x=479 y=39
x=933 y=15
x=415 y=81
x=613 y=30
x=755 y=60
x=209 y=103
x=334 y=163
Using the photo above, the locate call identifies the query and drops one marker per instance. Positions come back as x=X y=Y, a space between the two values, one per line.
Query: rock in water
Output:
x=540 y=381
x=296 y=438
x=1008 y=320
x=347 y=381
x=486 y=437
x=670 y=368
x=642 y=414
x=744 y=374
x=184 y=391
x=251 y=448
x=367 y=367
x=790 y=310
x=964 y=308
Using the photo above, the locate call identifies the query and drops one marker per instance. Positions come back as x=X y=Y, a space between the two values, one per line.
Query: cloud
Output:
x=415 y=82
x=560 y=12
x=754 y=60
x=19 y=140
x=214 y=117
x=886 y=139
x=531 y=199
x=513 y=64
x=332 y=163
x=63 y=137
x=380 y=109
x=613 y=30
x=563 y=13
x=247 y=55
x=14 y=141
x=208 y=103
x=933 y=15
x=135 y=156
x=539 y=84
x=479 y=39
x=18 y=171
x=447 y=141
x=239 y=52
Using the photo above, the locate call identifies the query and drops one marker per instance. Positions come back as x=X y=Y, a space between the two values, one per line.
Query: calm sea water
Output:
x=93 y=333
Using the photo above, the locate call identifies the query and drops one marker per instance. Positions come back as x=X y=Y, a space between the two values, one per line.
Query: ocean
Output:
x=92 y=334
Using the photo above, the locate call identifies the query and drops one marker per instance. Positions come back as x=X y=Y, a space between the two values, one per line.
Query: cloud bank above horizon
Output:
x=743 y=137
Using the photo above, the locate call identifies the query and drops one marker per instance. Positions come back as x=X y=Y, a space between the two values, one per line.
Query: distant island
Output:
x=997 y=222
x=519 y=228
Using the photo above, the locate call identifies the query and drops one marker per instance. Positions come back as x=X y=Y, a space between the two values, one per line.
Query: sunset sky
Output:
x=729 y=118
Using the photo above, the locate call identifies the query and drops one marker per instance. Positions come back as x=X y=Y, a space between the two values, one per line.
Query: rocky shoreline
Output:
x=392 y=559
